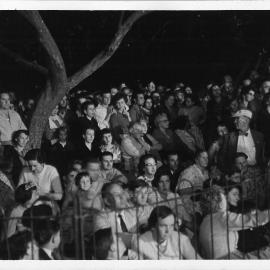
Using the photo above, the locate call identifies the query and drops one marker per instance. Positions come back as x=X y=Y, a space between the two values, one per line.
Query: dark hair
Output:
x=159 y=174
x=247 y=89
x=36 y=215
x=104 y=154
x=229 y=185
x=199 y=152
x=142 y=161
x=117 y=97
x=34 y=154
x=85 y=128
x=63 y=128
x=86 y=104
x=47 y=229
x=91 y=160
x=133 y=185
x=16 y=134
x=22 y=194
x=106 y=187
x=240 y=154
x=162 y=212
x=105 y=131
x=169 y=94
x=79 y=176
x=17 y=245
x=171 y=153
x=100 y=244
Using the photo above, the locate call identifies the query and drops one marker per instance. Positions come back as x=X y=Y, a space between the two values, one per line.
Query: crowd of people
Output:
x=153 y=172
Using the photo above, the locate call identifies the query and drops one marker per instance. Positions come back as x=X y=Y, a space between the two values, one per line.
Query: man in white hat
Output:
x=243 y=140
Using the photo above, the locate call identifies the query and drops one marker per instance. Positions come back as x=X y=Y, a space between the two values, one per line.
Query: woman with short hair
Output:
x=162 y=241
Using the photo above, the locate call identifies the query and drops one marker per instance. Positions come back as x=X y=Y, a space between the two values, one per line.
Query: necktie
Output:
x=243 y=134
x=122 y=224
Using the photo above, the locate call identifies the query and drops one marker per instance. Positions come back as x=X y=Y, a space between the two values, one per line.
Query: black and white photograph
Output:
x=134 y=133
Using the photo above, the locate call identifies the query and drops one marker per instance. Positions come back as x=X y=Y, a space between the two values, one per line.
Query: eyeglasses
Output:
x=150 y=165
x=164 y=120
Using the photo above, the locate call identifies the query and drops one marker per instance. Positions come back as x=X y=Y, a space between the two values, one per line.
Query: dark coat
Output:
x=228 y=150
x=83 y=153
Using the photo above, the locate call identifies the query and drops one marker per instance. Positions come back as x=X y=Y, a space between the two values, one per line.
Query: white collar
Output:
x=48 y=252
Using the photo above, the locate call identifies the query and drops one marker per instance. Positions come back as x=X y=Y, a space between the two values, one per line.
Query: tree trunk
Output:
x=57 y=82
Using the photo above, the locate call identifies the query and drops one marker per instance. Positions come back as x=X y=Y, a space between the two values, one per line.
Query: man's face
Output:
x=165 y=228
x=170 y=101
x=151 y=87
x=90 y=111
x=77 y=167
x=137 y=131
x=93 y=169
x=70 y=178
x=266 y=87
x=120 y=104
x=140 y=99
x=250 y=96
x=35 y=166
x=148 y=104
x=163 y=122
x=173 y=162
x=236 y=177
x=241 y=163
x=107 y=163
x=156 y=98
x=89 y=135
x=4 y=101
x=202 y=160
x=233 y=196
x=180 y=97
x=107 y=138
x=164 y=184
x=22 y=140
x=144 y=126
x=242 y=123
x=116 y=197
x=114 y=91
x=140 y=196
x=150 y=167
x=222 y=131
x=106 y=99
x=234 y=106
x=216 y=91
x=62 y=135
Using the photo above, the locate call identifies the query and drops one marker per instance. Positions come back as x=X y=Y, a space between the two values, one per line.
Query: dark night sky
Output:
x=190 y=46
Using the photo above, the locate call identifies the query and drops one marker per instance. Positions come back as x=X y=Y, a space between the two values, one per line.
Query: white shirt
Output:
x=246 y=145
x=63 y=144
x=48 y=252
x=100 y=115
x=43 y=181
x=88 y=145
x=176 y=247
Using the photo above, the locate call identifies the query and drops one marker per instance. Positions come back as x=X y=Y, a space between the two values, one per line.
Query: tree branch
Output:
x=121 y=19
x=57 y=72
x=105 y=55
x=20 y=60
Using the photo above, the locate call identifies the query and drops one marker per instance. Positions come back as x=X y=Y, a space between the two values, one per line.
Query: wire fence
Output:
x=214 y=232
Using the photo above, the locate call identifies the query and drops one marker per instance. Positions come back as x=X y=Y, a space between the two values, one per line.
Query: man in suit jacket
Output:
x=243 y=140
